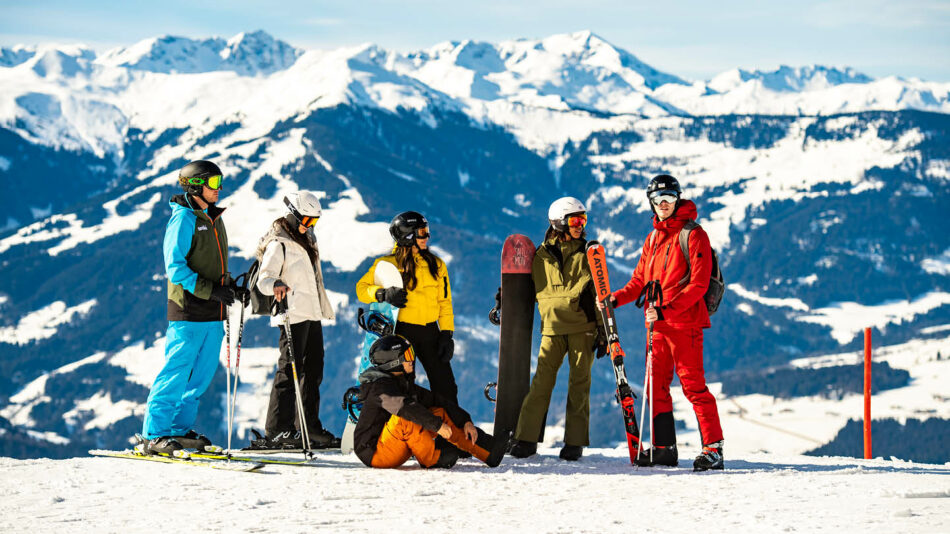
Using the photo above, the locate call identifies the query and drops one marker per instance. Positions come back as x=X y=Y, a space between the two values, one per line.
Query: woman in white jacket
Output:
x=290 y=268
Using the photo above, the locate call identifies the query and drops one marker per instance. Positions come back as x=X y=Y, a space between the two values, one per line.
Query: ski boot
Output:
x=662 y=455
x=164 y=445
x=448 y=454
x=711 y=458
x=324 y=439
x=199 y=442
x=523 y=449
x=571 y=453
x=289 y=439
x=497 y=453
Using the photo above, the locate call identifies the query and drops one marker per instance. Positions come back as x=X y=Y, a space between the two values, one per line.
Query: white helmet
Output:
x=303 y=204
x=561 y=208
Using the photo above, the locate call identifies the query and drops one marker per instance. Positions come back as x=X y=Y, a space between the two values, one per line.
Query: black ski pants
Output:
x=308 y=353
x=425 y=343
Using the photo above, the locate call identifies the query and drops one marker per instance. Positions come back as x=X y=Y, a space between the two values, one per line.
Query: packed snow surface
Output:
x=600 y=493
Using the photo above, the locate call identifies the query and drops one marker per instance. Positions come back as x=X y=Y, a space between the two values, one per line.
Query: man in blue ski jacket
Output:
x=199 y=293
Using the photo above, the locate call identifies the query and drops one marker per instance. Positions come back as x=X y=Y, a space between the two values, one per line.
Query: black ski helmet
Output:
x=196 y=169
x=388 y=352
x=403 y=227
x=663 y=184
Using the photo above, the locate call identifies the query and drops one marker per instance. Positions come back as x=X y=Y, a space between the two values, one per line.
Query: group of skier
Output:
x=400 y=419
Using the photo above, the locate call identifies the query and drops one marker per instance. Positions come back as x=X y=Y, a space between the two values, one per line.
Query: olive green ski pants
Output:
x=578 y=349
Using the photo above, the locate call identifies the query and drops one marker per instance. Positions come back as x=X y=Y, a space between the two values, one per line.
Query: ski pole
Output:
x=304 y=433
x=652 y=391
x=655 y=296
x=647 y=395
x=237 y=361
x=652 y=294
x=227 y=337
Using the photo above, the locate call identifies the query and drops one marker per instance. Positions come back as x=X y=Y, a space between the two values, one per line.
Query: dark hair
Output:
x=406 y=262
x=300 y=239
x=554 y=232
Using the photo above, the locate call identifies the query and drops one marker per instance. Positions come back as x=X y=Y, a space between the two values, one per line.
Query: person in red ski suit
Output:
x=678 y=322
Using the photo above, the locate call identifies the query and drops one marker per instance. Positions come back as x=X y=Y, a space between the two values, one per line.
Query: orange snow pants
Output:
x=682 y=349
x=402 y=439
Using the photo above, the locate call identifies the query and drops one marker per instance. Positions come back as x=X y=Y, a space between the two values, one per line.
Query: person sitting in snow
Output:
x=401 y=419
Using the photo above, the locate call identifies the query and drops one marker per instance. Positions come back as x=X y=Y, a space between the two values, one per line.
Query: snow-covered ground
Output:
x=601 y=493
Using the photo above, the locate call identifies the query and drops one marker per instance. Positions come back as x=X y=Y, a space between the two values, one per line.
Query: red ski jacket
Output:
x=662 y=259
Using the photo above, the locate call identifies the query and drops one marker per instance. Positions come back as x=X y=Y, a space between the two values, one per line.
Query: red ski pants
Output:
x=682 y=350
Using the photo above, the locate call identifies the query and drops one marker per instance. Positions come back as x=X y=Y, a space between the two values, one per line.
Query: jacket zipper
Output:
x=221 y=257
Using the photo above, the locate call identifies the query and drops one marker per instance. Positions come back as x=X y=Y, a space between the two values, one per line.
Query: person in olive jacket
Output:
x=567 y=304
x=199 y=292
x=400 y=419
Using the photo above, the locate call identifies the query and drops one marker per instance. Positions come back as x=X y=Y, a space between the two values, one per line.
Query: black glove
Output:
x=394 y=295
x=242 y=294
x=600 y=346
x=446 y=346
x=223 y=294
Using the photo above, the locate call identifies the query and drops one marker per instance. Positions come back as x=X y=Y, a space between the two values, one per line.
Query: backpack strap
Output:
x=684 y=246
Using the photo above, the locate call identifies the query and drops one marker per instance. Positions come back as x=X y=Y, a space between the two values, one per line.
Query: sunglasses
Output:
x=409 y=355
x=663 y=196
x=577 y=220
x=423 y=234
x=310 y=222
x=213 y=182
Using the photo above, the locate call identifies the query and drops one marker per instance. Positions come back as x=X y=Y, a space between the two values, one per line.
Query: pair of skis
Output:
x=597 y=260
x=224 y=462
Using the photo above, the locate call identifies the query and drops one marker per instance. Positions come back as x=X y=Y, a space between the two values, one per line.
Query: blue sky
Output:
x=692 y=39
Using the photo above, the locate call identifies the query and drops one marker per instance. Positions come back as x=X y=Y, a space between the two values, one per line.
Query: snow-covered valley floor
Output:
x=601 y=493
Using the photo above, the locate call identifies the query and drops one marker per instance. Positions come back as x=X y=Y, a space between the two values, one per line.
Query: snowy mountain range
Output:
x=821 y=187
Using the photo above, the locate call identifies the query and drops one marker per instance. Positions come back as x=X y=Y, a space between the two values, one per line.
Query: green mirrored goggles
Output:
x=213 y=182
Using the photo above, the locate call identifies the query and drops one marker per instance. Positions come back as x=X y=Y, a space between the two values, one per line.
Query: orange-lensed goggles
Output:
x=423 y=233
x=310 y=222
x=577 y=220
x=409 y=355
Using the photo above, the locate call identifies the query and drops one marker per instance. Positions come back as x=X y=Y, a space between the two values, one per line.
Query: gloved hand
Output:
x=611 y=298
x=242 y=294
x=600 y=346
x=446 y=346
x=280 y=290
x=396 y=296
x=223 y=294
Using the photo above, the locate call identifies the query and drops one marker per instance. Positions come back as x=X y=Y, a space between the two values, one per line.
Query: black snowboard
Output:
x=517 y=321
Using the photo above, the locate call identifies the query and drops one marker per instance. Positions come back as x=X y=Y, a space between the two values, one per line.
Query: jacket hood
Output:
x=372 y=374
x=275 y=231
x=182 y=202
x=684 y=212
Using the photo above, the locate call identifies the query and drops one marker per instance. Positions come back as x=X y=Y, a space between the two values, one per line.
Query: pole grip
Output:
x=867 y=393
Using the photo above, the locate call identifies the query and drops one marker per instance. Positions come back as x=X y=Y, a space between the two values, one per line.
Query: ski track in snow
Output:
x=600 y=493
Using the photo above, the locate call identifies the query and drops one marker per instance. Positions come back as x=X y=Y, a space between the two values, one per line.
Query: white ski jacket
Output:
x=290 y=263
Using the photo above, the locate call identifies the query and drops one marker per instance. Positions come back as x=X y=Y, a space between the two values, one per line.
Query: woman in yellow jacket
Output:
x=425 y=300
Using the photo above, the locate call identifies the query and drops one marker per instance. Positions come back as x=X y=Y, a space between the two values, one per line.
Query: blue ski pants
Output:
x=192 y=350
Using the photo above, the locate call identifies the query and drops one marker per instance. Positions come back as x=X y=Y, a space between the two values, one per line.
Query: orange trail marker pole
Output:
x=867 y=393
